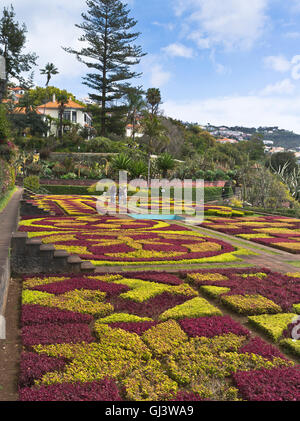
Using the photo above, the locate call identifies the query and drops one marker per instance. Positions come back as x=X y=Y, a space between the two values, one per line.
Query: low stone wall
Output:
x=9 y=219
x=81 y=156
x=4 y=281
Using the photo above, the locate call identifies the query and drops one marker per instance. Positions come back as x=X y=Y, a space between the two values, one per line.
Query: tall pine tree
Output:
x=12 y=45
x=110 y=52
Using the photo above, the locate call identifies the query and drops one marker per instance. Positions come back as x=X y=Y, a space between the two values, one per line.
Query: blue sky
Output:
x=231 y=62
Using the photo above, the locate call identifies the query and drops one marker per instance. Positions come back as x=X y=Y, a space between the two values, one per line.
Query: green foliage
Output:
x=272 y=325
x=149 y=383
x=250 y=304
x=32 y=183
x=280 y=159
x=212 y=193
x=153 y=98
x=206 y=364
x=296 y=307
x=7 y=178
x=4 y=124
x=213 y=291
x=81 y=301
x=40 y=95
x=116 y=355
x=121 y=162
x=164 y=338
x=12 y=45
x=165 y=163
x=138 y=169
x=197 y=307
x=291 y=345
x=49 y=71
x=123 y=318
x=109 y=39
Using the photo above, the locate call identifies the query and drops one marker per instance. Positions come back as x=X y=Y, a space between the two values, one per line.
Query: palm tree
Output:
x=153 y=97
x=49 y=70
x=165 y=163
x=62 y=99
x=135 y=103
x=155 y=135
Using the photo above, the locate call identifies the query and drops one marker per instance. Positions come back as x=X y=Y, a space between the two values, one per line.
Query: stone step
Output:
x=30 y=255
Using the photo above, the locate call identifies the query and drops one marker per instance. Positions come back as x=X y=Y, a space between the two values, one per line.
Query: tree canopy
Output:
x=109 y=53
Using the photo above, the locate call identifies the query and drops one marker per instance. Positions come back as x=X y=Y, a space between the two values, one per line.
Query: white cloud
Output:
x=231 y=24
x=283 y=87
x=247 y=111
x=292 y=35
x=278 y=63
x=167 y=26
x=281 y=64
x=178 y=50
x=159 y=77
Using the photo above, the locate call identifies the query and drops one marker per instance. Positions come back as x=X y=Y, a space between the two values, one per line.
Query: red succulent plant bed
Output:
x=146 y=336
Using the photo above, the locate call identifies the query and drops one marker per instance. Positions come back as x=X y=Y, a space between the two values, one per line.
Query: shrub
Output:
x=212 y=326
x=291 y=345
x=197 y=307
x=104 y=390
x=272 y=325
x=7 y=178
x=32 y=183
x=250 y=304
x=164 y=337
x=278 y=384
x=56 y=333
x=149 y=383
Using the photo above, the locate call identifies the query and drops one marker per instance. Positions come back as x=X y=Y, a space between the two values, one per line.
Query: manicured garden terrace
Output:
x=215 y=334
x=158 y=336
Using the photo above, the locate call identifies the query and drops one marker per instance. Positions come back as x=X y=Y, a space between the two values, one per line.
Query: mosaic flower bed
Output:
x=113 y=241
x=269 y=299
x=273 y=231
x=103 y=337
x=73 y=205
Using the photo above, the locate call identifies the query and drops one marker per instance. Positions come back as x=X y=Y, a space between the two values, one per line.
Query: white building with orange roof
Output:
x=73 y=113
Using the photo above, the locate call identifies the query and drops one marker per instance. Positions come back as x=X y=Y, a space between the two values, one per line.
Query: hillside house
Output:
x=73 y=113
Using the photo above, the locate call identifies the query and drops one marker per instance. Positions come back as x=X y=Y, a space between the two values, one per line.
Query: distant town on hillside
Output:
x=273 y=137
